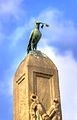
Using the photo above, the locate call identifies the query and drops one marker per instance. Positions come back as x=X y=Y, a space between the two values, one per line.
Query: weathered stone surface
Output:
x=38 y=75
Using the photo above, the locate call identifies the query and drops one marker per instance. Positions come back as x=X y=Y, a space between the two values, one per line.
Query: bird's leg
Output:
x=32 y=46
x=36 y=47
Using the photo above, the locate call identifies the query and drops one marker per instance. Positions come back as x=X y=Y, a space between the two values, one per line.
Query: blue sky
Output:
x=59 y=42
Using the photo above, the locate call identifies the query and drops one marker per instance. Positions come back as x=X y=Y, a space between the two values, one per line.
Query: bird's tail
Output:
x=28 y=48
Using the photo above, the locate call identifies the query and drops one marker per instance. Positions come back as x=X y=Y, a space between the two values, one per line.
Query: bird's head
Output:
x=37 y=24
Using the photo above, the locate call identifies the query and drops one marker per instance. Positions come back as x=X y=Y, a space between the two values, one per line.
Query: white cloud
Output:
x=2 y=36
x=20 y=33
x=67 y=68
x=17 y=35
x=61 y=29
x=6 y=85
x=11 y=7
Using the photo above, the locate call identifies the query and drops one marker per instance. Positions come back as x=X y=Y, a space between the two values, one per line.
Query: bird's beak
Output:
x=44 y=24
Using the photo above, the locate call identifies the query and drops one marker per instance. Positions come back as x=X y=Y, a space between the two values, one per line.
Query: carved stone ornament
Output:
x=38 y=112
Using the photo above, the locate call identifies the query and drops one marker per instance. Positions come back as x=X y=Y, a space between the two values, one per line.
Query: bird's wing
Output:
x=31 y=35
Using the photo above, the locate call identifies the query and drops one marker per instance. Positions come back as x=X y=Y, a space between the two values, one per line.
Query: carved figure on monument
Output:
x=54 y=111
x=36 y=108
x=38 y=112
x=35 y=36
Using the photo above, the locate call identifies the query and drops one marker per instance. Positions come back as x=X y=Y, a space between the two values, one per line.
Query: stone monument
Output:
x=36 y=88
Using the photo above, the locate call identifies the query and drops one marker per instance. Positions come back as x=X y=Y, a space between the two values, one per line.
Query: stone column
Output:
x=37 y=75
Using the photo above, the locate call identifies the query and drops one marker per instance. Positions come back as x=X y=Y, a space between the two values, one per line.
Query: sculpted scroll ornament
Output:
x=38 y=112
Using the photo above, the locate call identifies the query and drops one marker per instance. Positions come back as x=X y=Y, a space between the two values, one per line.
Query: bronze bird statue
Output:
x=35 y=36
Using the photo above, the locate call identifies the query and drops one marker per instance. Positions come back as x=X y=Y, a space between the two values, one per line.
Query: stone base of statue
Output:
x=36 y=89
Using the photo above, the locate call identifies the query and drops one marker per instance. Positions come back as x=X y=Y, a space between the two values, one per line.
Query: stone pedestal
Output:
x=37 y=75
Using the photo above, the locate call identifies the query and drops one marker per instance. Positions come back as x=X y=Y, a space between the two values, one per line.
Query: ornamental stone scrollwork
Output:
x=38 y=112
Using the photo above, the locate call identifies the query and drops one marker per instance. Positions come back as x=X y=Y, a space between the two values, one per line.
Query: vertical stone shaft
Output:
x=36 y=74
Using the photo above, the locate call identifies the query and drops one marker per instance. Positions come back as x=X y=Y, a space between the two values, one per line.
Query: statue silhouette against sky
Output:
x=35 y=36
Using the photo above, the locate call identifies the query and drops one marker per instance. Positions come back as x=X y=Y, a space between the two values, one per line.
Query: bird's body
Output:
x=34 y=39
x=36 y=36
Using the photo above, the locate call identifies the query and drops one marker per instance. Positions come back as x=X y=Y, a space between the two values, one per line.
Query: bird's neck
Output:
x=37 y=27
